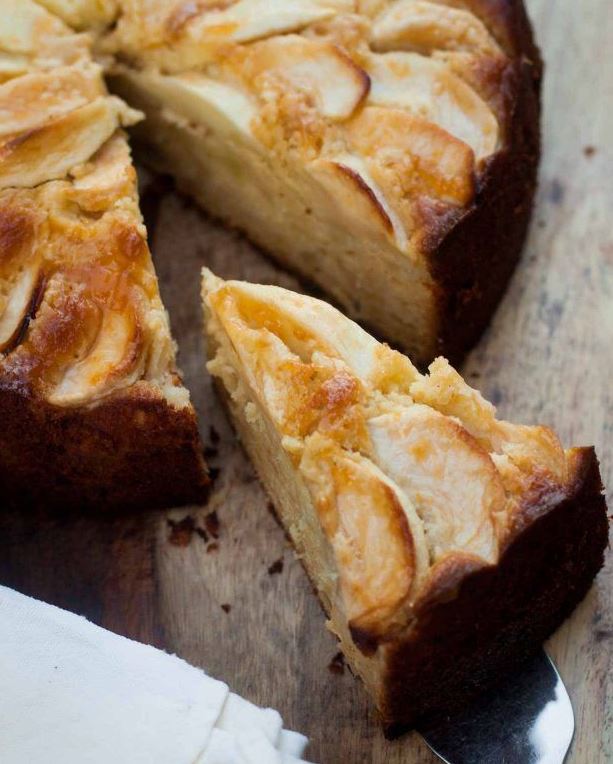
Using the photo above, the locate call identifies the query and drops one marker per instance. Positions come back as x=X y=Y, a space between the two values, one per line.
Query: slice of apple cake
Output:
x=445 y=544
x=92 y=410
x=384 y=150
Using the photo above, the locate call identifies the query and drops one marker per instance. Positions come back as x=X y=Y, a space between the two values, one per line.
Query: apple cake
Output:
x=92 y=408
x=445 y=544
x=386 y=151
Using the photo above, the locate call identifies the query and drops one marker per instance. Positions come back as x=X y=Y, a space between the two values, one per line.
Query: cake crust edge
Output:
x=130 y=451
x=493 y=230
x=459 y=648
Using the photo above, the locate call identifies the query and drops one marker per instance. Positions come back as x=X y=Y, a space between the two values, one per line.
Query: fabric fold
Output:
x=74 y=692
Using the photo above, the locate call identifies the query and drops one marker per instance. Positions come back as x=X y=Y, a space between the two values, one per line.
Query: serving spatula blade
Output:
x=527 y=720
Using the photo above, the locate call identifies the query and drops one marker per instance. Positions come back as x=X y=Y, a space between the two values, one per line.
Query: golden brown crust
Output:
x=131 y=452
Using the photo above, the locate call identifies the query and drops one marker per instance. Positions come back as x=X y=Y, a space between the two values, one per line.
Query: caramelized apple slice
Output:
x=86 y=339
x=424 y=27
x=56 y=52
x=185 y=35
x=30 y=26
x=16 y=298
x=34 y=39
x=309 y=329
x=12 y=65
x=348 y=179
x=50 y=151
x=448 y=477
x=34 y=99
x=532 y=449
x=300 y=393
x=108 y=176
x=20 y=267
x=377 y=538
x=319 y=68
x=249 y=20
x=83 y=14
x=114 y=360
x=429 y=89
x=408 y=156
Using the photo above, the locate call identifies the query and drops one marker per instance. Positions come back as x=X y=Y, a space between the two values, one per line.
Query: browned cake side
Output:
x=493 y=231
x=130 y=452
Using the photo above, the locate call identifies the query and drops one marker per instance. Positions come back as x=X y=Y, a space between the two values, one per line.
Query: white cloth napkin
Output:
x=74 y=693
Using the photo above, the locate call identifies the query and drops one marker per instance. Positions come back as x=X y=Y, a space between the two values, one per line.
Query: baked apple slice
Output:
x=423 y=26
x=415 y=83
x=182 y=35
x=317 y=69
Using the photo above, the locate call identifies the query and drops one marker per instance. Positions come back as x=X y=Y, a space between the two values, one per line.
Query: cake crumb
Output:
x=203 y=534
x=226 y=608
x=181 y=531
x=276 y=567
x=211 y=523
x=212 y=548
x=589 y=151
x=337 y=664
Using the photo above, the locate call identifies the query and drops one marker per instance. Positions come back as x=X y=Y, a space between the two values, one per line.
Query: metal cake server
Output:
x=527 y=720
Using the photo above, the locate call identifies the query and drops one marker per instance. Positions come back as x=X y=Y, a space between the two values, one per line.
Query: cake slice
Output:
x=386 y=151
x=93 y=411
x=445 y=544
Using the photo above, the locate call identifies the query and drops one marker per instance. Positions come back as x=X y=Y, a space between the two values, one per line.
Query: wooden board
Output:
x=240 y=604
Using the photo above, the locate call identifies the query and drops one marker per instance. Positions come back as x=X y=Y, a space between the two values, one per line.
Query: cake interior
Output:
x=321 y=228
x=292 y=501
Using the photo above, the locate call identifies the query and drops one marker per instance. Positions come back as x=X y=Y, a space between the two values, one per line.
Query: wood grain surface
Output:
x=224 y=590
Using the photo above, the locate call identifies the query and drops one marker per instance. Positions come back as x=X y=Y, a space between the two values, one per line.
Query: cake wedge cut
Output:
x=445 y=544
x=93 y=413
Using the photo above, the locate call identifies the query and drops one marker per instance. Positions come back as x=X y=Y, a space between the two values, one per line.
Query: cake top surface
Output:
x=80 y=312
x=413 y=476
x=393 y=107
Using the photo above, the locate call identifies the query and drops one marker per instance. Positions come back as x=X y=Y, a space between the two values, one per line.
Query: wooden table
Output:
x=233 y=598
